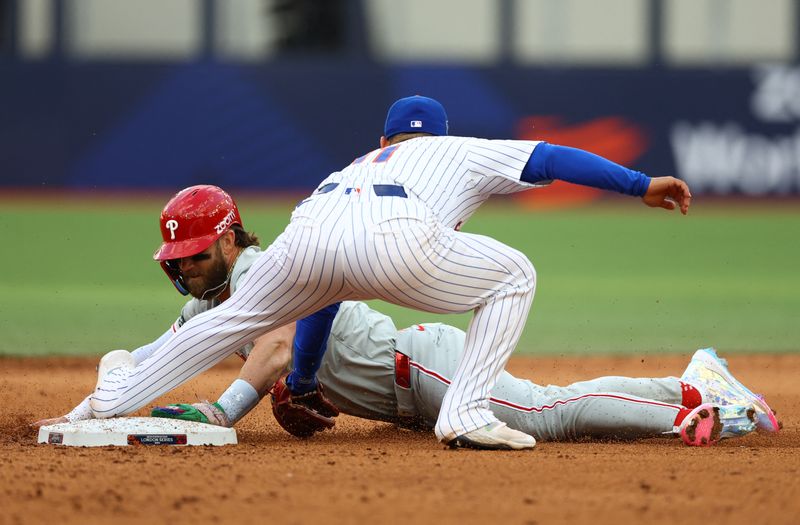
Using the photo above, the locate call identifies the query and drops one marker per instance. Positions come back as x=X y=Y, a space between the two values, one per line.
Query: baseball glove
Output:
x=302 y=415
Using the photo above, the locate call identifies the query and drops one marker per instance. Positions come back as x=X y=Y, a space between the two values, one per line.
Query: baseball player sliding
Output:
x=371 y=370
x=386 y=227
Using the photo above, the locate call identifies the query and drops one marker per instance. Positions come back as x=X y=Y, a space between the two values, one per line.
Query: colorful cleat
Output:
x=494 y=436
x=707 y=424
x=210 y=413
x=710 y=375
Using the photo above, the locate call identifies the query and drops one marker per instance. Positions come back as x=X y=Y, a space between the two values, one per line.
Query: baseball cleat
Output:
x=710 y=375
x=707 y=424
x=210 y=413
x=494 y=436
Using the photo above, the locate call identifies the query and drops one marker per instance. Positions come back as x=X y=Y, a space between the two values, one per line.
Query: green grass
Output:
x=615 y=277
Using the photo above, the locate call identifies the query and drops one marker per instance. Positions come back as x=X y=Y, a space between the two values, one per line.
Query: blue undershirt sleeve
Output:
x=551 y=162
x=310 y=342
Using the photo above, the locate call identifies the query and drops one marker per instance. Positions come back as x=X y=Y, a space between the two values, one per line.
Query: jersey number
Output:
x=382 y=156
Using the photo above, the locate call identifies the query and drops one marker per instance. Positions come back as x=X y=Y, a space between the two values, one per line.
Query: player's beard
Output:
x=213 y=279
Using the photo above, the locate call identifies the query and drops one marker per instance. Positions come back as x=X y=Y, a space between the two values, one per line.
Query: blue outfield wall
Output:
x=285 y=126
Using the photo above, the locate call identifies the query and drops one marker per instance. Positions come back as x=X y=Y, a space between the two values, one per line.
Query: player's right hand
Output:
x=668 y=193
x=50 y=421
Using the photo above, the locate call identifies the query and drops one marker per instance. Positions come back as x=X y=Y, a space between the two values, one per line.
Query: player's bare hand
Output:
x=668 y=193
x=50 y=421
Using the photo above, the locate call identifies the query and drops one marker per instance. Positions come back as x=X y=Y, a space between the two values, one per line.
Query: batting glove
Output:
x=205 y=412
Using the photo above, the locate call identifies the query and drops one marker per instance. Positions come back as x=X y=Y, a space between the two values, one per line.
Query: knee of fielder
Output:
x=521 y=269
x=523 y=280
x=530 y=276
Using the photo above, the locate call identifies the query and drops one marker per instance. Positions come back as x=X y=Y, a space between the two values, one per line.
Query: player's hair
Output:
x=400 y=137
x=244 y=239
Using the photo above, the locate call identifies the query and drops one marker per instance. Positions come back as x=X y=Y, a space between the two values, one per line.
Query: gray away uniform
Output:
x=360 y=377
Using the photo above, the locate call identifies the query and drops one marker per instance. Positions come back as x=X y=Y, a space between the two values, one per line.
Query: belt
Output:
x=389 y=190
x=402 y=370
x=407 y=412
x=381 y=190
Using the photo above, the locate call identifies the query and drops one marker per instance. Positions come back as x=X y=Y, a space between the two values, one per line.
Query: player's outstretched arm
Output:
x=266 y=362
x=310 y=343
x=79 y=413
x=83 y=410
x=552 y=162
x=668 y=193
x=269 y=359
x=50 y=421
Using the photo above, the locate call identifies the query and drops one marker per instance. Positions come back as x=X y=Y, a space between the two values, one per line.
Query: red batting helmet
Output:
x=190 y=222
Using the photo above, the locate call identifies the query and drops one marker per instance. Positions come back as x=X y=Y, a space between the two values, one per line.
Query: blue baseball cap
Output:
x=416 y=114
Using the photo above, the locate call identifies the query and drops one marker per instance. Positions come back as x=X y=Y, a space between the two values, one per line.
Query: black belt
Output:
x=381 y=190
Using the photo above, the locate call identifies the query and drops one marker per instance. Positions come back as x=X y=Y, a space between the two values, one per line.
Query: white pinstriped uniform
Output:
x=360 y=236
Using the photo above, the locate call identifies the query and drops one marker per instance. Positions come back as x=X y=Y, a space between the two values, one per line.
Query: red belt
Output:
x=402 y=370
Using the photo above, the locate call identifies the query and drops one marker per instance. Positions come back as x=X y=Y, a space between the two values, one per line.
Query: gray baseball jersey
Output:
x=365 y=377
x=384 y=228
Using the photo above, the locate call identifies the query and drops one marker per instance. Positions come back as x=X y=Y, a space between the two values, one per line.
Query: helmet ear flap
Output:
x=175 y=277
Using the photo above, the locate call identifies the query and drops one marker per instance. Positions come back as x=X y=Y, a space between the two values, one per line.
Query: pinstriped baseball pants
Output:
x=422 y=265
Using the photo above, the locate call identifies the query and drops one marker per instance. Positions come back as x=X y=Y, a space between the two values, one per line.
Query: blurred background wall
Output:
x=275 y=94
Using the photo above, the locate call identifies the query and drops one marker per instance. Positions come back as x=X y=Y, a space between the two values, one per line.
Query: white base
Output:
x=122 y=431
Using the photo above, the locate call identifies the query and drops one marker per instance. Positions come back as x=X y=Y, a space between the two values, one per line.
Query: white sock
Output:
x=239 y=399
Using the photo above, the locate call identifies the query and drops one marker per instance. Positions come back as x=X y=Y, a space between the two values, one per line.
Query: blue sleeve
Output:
x=551 y=162
x=310 y=342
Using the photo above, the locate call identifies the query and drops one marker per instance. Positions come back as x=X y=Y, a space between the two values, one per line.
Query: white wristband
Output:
x=81 y=412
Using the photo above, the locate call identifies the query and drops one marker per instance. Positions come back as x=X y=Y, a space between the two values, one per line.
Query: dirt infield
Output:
x=365 y=471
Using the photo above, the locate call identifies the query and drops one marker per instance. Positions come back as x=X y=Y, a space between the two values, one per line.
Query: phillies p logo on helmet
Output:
x=172 y=225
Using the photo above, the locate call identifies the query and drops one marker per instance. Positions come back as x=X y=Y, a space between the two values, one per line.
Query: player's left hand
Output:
x=668 y=193
x=50 y=421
